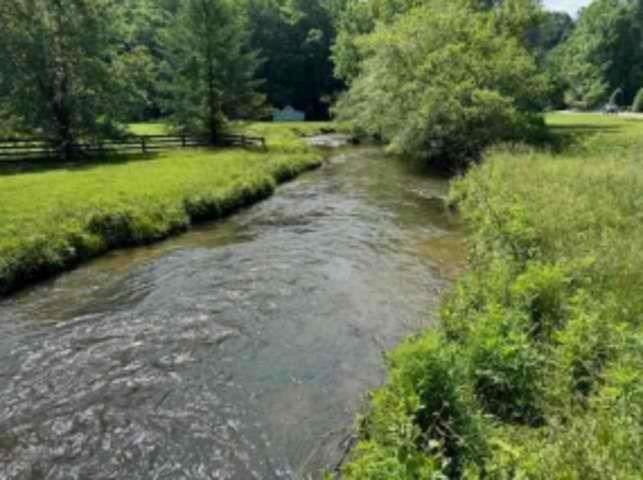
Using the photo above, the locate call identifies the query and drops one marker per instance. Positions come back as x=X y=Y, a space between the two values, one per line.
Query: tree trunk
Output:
x=65 y=142
x=65 y=134
x=61 y=90
x=213 y=111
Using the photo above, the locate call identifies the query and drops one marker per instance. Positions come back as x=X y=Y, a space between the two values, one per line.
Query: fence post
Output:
x=143 y=146
x=183 y=140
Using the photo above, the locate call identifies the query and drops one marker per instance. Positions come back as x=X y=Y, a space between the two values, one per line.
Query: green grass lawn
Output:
x=594 y=134
x=535 y=369
x=53 y=215
x=276 y=132
x=150 y=128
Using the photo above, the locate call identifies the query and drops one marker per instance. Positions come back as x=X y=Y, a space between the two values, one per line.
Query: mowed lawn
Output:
x=53 y=215
x=596 y=134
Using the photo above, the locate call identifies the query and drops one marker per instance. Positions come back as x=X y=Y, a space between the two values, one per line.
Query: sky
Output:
x=570 y=6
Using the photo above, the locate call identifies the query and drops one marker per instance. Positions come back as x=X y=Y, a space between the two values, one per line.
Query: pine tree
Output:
x=209 y=71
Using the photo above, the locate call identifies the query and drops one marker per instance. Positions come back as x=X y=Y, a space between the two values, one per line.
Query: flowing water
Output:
x=240 y=350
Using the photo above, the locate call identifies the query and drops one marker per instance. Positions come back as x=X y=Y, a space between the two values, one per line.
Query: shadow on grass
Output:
x=20 y=167
x=564 y=137
x=40 y=165
x=35 y=165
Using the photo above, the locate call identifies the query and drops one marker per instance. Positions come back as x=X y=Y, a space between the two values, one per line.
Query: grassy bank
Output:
x=535 y=369
x=55 y=216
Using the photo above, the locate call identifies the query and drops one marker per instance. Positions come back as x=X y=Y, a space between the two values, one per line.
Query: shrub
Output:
x=541 y=292
x=505 y=367
x=374 y=462
x=425 y=410
x=584 y=346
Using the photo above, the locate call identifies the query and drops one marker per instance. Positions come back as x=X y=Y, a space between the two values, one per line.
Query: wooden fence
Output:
x=37 y=148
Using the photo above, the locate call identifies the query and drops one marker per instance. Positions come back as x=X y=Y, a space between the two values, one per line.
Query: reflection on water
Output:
x=239 y=350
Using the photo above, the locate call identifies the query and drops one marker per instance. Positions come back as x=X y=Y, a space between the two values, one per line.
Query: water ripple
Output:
x=238 y=351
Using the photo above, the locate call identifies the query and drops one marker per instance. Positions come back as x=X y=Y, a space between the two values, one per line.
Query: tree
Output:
x=441 y=82
x=604 y=52
x=210 y=70
x=56 y=74
x=142 y=55
x=354 y=19
x=551 y=30
x=294 y=38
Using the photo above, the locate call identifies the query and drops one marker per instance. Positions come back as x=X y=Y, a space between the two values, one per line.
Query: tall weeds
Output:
x=535 y=369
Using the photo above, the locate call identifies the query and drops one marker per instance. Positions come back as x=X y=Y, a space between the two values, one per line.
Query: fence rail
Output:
x=36 y=148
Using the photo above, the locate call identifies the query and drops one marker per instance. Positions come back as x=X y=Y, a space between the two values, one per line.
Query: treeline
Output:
x=602 y=59
x=438 y=80
x=84 y=68
x=444 y=80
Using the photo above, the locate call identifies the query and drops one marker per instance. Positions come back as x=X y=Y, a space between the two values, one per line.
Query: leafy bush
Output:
x=424 y=416
x=374 y=462
x=506 y=368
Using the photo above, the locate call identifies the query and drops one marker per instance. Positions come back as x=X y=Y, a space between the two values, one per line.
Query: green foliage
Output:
x=210 y=70
x=420 y=424
x=637 y=105
x=603 y=53
x=52 y=218
x=374 y=462
x=141 y=56
x=294 y=39
x=539 y=350
x=506 y=369
x=552 y=29
x=9 y=124
x=57 y=76
x=81 y=66
x=587 y=342
x=444 y=81
x=355 y=18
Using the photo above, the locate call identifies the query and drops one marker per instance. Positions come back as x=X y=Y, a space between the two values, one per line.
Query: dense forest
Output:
x=433 y=80
x=74 y=68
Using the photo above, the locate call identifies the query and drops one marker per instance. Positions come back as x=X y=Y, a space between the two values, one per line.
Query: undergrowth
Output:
x=535 y=369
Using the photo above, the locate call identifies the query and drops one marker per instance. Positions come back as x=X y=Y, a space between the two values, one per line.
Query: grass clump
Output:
x=53 y=215
x=535 y=369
